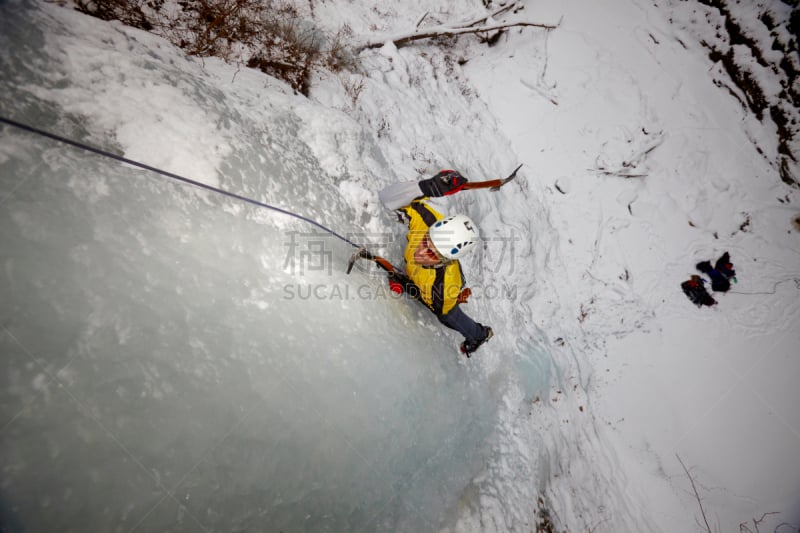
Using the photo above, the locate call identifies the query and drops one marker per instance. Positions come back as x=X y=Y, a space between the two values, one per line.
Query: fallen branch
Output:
x=696 y=495
x=419 y=20
x=630 y=167
x=637 y=158
x=744 y=528
x=437 y=31
x=541 y=92
x=480 y=20
x=617 y=173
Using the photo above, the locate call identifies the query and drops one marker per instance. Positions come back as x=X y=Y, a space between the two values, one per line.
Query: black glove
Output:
x=444 y=183
x=718 y=282
x=400 y=283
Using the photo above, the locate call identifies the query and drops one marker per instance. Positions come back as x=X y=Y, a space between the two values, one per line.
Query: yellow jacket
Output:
x=439 y=285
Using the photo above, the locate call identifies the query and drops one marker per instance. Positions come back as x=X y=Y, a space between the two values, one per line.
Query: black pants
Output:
x=458 y=320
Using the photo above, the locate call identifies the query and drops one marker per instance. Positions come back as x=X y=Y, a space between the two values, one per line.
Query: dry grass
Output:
x=269 y=35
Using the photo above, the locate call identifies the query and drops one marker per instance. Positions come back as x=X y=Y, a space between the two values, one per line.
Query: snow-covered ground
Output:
x=618 y=83
x=174 y=359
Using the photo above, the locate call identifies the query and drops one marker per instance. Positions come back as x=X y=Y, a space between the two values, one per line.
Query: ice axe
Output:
x=362 y=253
x=493 y=185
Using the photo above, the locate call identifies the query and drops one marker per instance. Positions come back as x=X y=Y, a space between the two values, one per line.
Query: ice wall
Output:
x=176 y=360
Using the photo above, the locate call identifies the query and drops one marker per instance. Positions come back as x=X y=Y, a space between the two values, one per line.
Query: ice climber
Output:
x=435 y=245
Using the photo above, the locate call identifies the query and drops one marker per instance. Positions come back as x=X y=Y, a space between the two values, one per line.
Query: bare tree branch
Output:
x=480 y=20
x=436 y=31
x=419 y=20
x=744 y=528
x=696 y=495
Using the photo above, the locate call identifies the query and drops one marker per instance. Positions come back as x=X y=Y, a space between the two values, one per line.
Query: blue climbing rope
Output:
x=171 y=175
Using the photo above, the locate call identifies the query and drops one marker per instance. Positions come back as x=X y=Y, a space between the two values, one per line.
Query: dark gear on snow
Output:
x=725 y=267
x=444 y=183
x=721 y=273
x=696 y=292
x=719 y=282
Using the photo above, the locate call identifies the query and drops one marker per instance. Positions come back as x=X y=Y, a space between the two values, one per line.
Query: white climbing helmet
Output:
x=454 y=236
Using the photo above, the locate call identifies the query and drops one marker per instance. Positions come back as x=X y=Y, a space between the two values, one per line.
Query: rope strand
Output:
x=774 y=287
x=171 y=175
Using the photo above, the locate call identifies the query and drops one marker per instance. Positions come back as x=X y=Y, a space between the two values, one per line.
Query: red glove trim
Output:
x=464 y=296
x=395 y=287
x=457 y=184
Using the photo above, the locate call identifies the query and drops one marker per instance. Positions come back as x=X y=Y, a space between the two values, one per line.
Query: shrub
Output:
x=126 y=11
x=269 y=35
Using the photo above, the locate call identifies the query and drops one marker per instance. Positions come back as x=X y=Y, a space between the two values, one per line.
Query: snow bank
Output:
x=175 y=360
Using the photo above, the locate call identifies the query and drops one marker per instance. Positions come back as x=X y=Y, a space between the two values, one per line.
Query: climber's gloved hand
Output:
x=464 y=295
x=395 y=287
x=444 y=183
x=399 y=283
